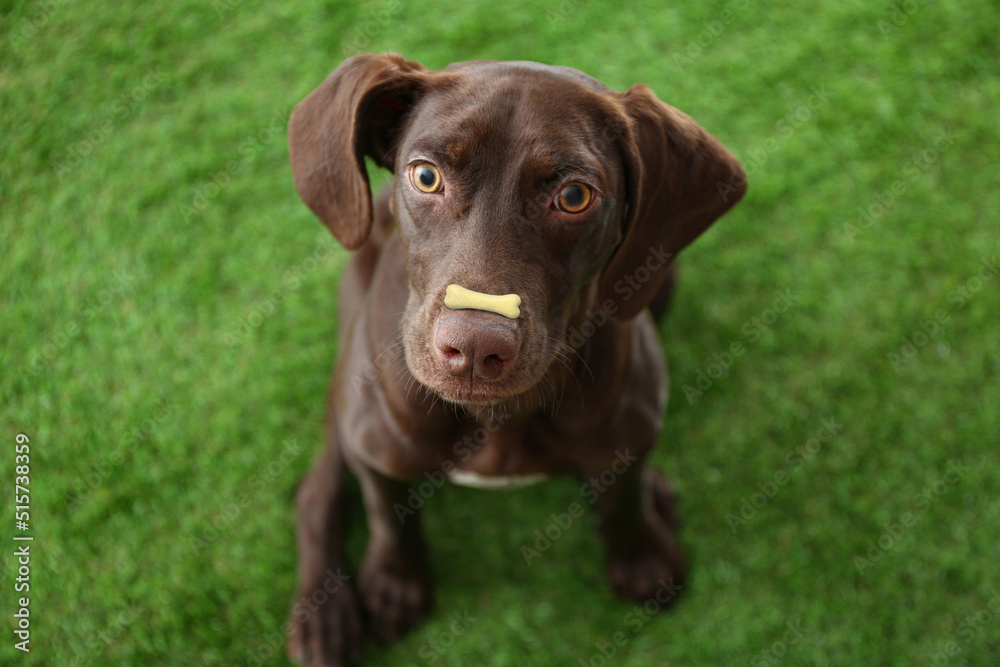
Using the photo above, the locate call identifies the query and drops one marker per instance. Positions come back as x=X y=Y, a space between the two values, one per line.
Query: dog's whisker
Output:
x=560 y=353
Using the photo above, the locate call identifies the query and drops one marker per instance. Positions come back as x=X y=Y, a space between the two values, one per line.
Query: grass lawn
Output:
x=168 y=328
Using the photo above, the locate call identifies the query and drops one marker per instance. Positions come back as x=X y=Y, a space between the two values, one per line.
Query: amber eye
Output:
x=425 y=177
x=574 y=198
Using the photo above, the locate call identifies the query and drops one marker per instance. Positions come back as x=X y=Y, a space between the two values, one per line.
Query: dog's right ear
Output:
x=356 y=111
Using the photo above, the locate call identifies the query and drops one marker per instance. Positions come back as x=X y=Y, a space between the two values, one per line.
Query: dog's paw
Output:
x=396 y=596
x=653 y=568
x=664 y=497
x=325 y=626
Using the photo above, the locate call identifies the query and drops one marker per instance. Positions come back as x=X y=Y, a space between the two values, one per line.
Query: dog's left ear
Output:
x=681 y=179
x=356 y=111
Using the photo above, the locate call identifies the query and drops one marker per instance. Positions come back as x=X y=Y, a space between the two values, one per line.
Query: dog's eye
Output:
x=426 y=177
x=574 y=198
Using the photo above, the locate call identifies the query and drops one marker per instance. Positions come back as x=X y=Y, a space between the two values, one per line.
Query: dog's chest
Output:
x=498 y=458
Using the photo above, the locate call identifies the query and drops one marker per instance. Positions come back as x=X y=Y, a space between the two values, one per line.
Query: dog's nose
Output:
x=469 y=344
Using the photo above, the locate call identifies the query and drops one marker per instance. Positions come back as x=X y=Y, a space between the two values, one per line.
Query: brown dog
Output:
x=556 y=206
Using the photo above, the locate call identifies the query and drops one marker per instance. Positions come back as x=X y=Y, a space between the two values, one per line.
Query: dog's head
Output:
x=512 y=178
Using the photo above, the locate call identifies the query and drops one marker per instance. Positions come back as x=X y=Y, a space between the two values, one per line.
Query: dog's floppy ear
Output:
x=681 y=179
x=355 y=112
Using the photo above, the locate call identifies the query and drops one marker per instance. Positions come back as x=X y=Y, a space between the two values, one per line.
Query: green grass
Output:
x=147 y=218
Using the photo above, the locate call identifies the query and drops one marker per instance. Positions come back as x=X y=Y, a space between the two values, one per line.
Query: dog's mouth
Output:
x=473 y=391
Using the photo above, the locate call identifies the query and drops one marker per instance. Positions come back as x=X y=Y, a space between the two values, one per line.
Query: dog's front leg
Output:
x=637 y=520
x=394 y=579
x=326 y=616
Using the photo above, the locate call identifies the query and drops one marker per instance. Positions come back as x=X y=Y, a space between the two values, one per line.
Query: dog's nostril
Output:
x=456 y=361
x=449 y=352
x=493 y=365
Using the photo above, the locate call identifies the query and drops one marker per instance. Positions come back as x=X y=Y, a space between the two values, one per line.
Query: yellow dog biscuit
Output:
x=458 y=298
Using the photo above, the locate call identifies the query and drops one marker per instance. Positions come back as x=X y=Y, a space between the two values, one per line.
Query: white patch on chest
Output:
x=493 y=482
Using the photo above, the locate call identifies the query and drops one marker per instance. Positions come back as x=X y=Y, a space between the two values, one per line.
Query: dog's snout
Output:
x=468 y=344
